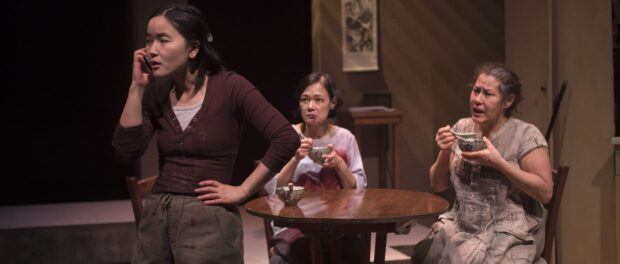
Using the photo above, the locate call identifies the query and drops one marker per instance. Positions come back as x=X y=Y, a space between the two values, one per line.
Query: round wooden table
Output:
x=349 y=211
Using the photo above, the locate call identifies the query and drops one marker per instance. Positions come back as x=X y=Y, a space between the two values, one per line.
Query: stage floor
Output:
x=119 y=212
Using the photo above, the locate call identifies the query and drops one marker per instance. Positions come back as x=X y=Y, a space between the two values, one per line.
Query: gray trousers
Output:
x=181 y=229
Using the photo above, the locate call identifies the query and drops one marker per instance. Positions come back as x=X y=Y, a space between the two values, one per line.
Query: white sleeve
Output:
x=355 y=163
x=270 y=187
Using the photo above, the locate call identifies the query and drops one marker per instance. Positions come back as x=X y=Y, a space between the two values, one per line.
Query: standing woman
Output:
x=197 y=110
x=498 y=215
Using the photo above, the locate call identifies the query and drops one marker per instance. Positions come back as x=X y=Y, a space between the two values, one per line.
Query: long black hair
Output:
x=192 y=25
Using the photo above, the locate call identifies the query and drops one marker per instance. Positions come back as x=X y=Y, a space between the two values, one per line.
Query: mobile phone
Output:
x=147 y=66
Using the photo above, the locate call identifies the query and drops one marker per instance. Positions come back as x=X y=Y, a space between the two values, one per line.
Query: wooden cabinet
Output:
x=391 y=118
x=616 y=142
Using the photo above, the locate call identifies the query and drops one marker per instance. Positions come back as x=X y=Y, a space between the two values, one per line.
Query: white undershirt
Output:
x=186 y=113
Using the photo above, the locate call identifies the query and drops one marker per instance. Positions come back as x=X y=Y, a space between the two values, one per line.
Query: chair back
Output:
x=138 y=190
x=553 y=210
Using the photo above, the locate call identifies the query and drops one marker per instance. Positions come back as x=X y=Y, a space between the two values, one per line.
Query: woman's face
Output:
x=166 y=46
x=486 y=101
x=315 y=104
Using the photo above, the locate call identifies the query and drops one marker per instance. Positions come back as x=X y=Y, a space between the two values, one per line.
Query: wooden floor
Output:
x=119 y=212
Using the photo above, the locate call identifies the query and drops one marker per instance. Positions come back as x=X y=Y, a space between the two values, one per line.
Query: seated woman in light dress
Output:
x=497 y=216
x=341 y=168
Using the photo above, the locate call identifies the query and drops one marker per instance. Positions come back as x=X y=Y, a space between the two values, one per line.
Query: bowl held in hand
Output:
x=470 y=142
x=316 y=154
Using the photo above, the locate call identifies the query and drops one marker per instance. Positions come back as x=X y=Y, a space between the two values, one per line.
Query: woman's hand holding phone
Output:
x=142 y=68
x=147 y=66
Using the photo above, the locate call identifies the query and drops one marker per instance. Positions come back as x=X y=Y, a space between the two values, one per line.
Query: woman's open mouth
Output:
x=477 y=111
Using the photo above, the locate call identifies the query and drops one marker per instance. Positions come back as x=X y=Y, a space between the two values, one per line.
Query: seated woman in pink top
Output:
x=341 y=168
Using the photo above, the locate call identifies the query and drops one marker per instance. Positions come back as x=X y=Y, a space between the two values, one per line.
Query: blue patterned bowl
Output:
x=471 y=144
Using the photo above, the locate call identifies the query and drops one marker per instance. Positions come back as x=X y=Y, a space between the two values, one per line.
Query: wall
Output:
x=582 y=43
x=427 y=52
x=528 y=53
x=548 y=42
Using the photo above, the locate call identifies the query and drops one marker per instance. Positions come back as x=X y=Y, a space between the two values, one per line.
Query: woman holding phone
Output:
x=197 y=110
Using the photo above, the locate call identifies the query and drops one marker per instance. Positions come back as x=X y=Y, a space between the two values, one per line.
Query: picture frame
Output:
x=359 y=35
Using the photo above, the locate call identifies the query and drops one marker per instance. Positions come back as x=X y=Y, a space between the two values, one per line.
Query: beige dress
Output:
x=491 y=220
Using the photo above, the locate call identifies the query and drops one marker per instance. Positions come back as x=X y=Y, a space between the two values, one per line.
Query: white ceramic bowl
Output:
x=316 y=154
x=290 y=197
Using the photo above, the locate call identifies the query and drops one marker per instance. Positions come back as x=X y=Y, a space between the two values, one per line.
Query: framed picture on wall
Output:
x=359 y=35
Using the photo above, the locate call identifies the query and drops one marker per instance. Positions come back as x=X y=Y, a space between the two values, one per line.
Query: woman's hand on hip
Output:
x=214 y=192
x=444 y=138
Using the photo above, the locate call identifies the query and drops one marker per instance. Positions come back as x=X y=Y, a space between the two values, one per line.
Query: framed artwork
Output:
x=359 y=35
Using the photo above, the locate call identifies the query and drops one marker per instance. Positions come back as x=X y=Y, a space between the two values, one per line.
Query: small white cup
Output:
x=316 y=154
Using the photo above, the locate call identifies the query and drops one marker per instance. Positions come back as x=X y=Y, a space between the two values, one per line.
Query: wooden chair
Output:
x=553 y=210
x=138 y=190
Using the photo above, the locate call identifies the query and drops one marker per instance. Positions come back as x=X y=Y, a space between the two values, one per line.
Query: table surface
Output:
x=367 y=206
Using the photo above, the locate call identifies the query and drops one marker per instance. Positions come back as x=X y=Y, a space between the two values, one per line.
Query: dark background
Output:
x=67 y=68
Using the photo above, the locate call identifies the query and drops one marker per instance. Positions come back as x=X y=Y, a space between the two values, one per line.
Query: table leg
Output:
x=316 y=248
x=396 y=156
x=365 y=248
x=335 y=248
x=380 y=241
x=383 y=170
